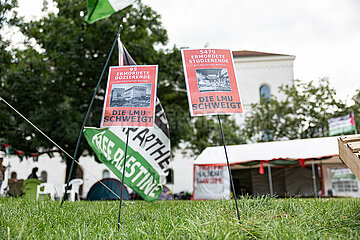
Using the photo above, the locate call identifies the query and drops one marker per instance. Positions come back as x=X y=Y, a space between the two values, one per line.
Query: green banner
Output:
x=140 y=175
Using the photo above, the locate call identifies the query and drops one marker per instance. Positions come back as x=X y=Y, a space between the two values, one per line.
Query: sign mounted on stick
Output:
x=211 y=82
x=130 y=97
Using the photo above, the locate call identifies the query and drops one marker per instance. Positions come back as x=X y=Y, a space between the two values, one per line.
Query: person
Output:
x=33 y=173
x=2 y=169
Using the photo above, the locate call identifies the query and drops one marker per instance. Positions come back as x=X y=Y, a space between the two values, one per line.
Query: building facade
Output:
x=135 y=92
x=261 y=74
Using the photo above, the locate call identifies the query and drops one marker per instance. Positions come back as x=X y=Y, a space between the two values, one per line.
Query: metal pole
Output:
x=123 y=174
x=354 y=122
x=228 y=165
x=121 y=63
x=270 y=182
x=314 y=178
x=87 y=115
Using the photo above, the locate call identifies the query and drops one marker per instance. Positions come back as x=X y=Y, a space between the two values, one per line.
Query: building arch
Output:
x=43 y=176
x=265 y=92
x=13 y=175
x=105 y=174
x=79 y=173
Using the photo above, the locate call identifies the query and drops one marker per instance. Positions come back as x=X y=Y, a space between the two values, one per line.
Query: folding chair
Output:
x=45 y=189
x=74 y=188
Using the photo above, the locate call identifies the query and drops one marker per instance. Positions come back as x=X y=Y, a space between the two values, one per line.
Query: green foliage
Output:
x=207 y=133
x=53 y=86
x=53 y=79
x=172 y=94
x=261 y=218
x=302 y=113
x=7 y=19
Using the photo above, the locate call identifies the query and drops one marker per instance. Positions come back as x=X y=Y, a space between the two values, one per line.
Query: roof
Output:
x=293 y=149
x=246 y=53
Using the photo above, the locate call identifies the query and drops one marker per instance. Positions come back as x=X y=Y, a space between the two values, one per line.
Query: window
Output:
x=106 y=174
x=267 y=136
x=43 y=176
x=13 y=175
x=265 y=92
x=170 y=176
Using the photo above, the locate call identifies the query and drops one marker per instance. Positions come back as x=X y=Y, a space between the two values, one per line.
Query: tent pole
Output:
x=314 y=178
x=228 y=165
x=270 y=182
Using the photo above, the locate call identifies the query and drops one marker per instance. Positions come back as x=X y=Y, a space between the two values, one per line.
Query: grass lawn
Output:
x=262 y=218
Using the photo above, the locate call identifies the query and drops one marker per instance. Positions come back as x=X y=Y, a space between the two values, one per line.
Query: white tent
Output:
x=210 y=165
x=292 y=149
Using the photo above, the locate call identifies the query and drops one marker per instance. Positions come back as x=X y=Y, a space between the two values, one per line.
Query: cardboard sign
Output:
x=211 y=82
x=211 y=182
x=130 y=97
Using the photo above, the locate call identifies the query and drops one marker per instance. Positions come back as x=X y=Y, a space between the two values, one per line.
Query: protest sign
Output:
x=130 y=97
x=211 y=82
x=211 y=182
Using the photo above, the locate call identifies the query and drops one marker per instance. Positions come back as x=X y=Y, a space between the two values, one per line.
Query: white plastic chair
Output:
x=74 y=187
x=44 y=189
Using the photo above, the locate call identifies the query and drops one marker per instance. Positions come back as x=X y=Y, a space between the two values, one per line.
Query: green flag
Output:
x=141 y=174
x=99 y=9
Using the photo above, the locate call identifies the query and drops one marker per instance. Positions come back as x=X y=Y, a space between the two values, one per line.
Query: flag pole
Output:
x=87 y=115
x=228 y=165
x=121 y=63
x=354 y=122
x=122 y=181
x=314 y=178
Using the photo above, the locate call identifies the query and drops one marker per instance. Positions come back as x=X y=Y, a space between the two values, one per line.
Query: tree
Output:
x=7 y=19
x=303 y=113
x=53 y=86
x=207 y=133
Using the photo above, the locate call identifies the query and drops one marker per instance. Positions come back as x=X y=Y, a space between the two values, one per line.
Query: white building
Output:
x=260 y=73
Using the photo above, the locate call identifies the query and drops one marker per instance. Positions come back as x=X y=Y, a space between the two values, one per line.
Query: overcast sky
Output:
x=324 y=35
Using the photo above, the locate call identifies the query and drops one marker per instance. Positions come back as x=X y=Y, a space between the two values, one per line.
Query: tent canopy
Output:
x=313 y=148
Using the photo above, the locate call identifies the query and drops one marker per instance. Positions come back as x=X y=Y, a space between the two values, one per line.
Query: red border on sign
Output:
x=130 y=96
x=211 y=82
